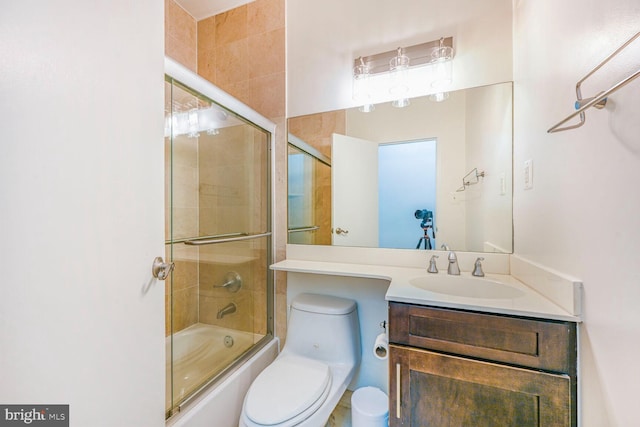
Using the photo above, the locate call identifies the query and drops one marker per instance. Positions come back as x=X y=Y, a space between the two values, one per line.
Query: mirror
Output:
x=418 y=177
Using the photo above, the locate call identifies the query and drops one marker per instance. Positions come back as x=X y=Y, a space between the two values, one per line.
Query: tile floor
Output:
x=341 y=416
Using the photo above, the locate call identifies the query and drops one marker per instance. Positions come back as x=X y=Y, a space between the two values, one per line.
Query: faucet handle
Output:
x=477 y=268
x=445 y=247
x=433 y=268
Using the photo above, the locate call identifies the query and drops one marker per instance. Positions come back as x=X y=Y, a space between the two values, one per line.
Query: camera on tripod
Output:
x=426 y=224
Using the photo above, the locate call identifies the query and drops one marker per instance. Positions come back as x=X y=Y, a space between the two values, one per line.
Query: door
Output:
x=440 y=390
x=354 y=176
x=82 y=209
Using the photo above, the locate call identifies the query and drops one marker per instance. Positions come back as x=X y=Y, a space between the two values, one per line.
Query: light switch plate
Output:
x=528 y=174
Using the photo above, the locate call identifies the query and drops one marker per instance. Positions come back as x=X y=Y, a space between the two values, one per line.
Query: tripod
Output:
x=427 y=223
x=425 y=238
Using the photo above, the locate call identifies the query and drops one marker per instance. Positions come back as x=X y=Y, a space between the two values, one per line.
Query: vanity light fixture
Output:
x=403 y=73
x=442 y=59
x=399 y=85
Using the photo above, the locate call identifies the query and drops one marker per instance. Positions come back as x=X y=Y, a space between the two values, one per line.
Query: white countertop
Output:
x=530 y=303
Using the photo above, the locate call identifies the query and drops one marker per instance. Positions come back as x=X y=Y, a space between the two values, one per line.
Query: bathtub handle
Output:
x=232 y=282
x=161 y=269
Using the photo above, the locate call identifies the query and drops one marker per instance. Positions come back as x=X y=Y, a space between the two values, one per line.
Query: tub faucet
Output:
x=453 y=264
x=228 y=309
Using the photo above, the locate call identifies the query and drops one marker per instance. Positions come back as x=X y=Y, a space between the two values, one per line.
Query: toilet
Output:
x=320 y=357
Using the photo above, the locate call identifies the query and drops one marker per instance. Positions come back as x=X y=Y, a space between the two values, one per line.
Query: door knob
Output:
x=161 y=269
x=341 y=232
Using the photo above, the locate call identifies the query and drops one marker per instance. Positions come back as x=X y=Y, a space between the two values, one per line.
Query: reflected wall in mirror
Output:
x=457 y=191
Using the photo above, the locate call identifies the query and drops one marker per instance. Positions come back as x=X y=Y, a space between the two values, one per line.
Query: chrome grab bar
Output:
x=176 y=241
x=211 y=240
x=302 y=229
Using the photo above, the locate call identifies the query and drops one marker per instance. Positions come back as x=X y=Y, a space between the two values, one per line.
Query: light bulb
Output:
x=399 y=87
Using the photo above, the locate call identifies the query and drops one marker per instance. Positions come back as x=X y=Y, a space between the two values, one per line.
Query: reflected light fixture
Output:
x=361 y=90
x=403 y=73
x=192 y=121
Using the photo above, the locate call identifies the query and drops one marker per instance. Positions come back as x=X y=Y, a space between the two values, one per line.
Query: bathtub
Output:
x=202 y=351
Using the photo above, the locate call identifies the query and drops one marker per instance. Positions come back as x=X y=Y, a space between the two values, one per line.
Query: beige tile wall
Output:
x=182 y=293
x=241 y=51
x=180 y=35
x=180 y=44
x=316 y=129
x=233 y=195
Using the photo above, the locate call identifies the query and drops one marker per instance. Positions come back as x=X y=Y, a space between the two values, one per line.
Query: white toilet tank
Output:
x=324 y=327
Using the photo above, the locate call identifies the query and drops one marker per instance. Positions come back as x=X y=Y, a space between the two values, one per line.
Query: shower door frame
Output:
x=176 y=72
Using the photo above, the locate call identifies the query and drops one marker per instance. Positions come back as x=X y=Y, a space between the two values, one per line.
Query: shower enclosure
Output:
x=219 y=297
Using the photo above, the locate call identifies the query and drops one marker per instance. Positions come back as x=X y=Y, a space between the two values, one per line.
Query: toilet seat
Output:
x=288 y=391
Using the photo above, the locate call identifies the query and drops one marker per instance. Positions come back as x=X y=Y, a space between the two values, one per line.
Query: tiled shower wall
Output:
x=180 y=44
x=242 y=51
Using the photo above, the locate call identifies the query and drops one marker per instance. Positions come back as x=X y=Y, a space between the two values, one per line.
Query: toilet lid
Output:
x=287 y=387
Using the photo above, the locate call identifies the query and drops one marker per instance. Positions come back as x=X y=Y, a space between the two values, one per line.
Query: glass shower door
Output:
x=219 y=237
x=309 y=195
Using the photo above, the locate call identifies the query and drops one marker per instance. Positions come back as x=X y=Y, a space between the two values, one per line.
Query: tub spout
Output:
x=228 y=309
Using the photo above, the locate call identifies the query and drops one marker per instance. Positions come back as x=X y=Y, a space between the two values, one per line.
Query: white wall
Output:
x=324 y=38
x=81 y=211
x=489 y=118
x=582 y=215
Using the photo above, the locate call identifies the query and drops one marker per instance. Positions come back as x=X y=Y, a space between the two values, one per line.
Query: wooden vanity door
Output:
x=439 y=390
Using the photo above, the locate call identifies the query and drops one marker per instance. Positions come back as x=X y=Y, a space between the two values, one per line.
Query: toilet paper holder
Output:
x=381 y=344
x=383 y=325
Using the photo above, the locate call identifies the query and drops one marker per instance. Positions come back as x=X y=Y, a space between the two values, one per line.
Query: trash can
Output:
x=369 y=408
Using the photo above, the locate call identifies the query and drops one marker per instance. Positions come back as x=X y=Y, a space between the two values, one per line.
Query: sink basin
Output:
x=469 y=287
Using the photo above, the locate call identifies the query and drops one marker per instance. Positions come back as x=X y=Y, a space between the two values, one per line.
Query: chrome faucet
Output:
x=477 y=268
x=453 y=268
x=228 y=309
x=433 y=268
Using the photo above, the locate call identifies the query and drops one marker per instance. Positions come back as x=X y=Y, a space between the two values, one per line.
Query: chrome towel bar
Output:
x=303 y=229
x=600 y=100
x=211 y=240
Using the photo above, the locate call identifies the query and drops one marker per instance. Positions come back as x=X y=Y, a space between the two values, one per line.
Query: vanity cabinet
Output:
x=460 y=368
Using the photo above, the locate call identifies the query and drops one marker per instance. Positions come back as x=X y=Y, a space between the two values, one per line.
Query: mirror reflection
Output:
x=418 y=177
